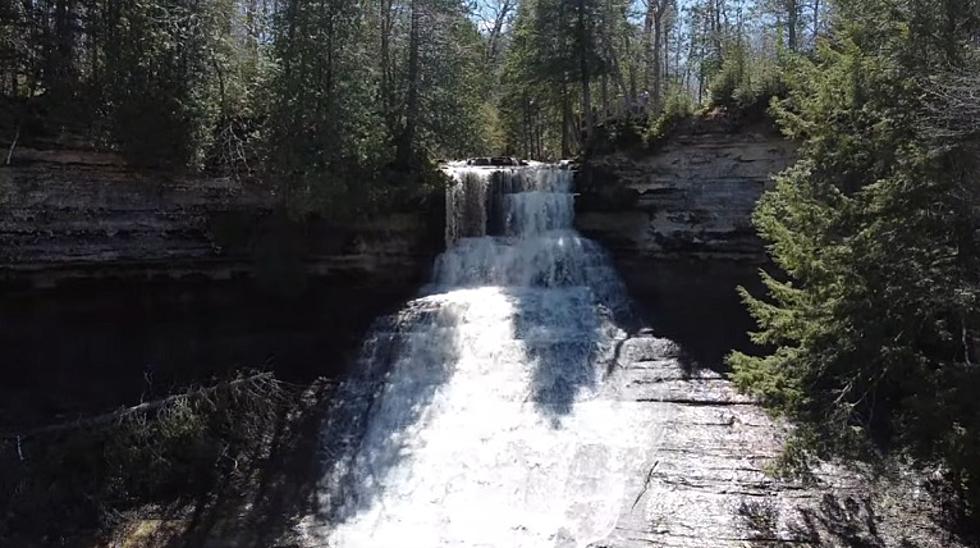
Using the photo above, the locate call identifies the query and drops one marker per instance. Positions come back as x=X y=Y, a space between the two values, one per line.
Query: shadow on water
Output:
x=564 y=340
x=367 y=433
x=562 y=333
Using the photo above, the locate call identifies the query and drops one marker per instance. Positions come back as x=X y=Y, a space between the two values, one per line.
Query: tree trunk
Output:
x=116 y=416
x=384 y=20
x=566 y=120
x=604 y=93
x=526 y=128
x=328 y=91
x=657 y=84
x=63 y=57
x=792 y=21
x=715 y=22
x=647 y=41
x=666 y=42
x=585 y=73
x=407 y=142
x=816 y=21
x=493 y=40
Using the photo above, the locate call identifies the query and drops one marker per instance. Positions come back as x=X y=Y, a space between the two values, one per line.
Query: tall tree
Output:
x=873 y=335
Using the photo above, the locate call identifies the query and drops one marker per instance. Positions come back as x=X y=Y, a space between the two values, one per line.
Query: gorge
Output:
x=489 y=273
x=527 y=397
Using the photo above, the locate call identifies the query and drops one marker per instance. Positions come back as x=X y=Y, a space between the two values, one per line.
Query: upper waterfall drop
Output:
x=513 y=227
x=489 y=426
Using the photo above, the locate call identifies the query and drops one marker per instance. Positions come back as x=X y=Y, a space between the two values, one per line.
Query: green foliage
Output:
x=324 y=130
x=558 y=46
x=293 y=93
x=678 y=108
x=333 y=125
x=747 y=81
x=872 y=330
x=731 y=75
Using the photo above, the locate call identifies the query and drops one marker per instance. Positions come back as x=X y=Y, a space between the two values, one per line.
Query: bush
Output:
x=678 y=107
x=722 y=88
x=748 y=83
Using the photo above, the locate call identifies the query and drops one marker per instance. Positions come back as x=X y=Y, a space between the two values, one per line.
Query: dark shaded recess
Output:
x=695 y=304
x=87 y=347
x=600 y=189
x=501 y=184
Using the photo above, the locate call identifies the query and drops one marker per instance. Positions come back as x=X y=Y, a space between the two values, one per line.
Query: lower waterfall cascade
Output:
x=477 y=415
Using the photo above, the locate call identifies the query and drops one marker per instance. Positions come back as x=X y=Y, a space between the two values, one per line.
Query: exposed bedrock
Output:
x=703 y=477
x=142 y=283
x=691 y=197
x=68 y=214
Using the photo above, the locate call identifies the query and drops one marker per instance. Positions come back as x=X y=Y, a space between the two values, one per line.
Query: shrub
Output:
x=678 y=107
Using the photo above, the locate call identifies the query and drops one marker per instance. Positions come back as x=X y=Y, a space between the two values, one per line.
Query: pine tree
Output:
x=872 y=327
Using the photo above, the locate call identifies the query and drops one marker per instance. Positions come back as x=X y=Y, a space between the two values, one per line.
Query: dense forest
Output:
x=362 y=88
x=870 y=328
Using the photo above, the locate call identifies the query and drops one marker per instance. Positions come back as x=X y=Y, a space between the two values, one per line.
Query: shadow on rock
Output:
x=835 y=521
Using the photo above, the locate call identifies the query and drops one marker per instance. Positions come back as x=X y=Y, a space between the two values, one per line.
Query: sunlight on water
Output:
x=490 y=428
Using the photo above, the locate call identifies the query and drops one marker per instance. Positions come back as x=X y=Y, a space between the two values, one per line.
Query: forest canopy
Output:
x=362 y=86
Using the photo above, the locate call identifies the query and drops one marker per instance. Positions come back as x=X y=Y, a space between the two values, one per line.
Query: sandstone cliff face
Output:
x=692 y=197
x=66 y=214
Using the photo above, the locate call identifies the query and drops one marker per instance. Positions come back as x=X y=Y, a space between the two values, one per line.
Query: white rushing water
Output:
x=489 y=426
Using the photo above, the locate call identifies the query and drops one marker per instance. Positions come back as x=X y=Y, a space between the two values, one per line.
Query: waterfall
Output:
x=478 y=416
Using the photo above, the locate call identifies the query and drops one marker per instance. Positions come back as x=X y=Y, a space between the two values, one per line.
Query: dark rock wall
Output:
x=118 y=286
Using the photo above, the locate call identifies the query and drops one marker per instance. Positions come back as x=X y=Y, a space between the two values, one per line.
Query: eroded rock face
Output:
x=113 y=274
x=703 y=480
x=70 y=214
x=693 y=196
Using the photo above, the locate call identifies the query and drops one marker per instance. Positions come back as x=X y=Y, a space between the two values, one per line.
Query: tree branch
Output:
x=120 y=414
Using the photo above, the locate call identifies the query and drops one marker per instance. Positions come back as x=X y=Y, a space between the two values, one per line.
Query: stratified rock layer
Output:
x=704 y=479
x=69 y=214
x=691 y=197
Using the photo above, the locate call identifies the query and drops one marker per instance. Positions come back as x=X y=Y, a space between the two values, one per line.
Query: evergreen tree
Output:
x=873 y=329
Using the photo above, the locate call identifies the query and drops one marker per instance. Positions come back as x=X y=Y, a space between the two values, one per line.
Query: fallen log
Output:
x=118 y=415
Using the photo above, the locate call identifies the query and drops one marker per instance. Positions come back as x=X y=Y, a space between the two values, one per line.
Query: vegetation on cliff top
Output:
x=334 y=101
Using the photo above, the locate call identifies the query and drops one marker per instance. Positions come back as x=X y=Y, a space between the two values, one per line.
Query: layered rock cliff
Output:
x=120 y=274
x=70 y=214
x=692 y=196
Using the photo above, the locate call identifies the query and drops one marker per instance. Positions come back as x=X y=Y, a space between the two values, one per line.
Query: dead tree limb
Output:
x=13 y=145
x=116 y=416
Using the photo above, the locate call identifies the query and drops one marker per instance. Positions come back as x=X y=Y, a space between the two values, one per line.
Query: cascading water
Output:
x=479 y=417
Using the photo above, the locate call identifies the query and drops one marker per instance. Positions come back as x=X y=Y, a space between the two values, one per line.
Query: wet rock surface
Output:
x=697 y=470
